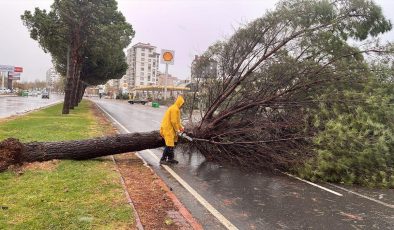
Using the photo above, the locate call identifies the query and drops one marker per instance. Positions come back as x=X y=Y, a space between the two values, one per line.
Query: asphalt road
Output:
x=256 y=200
x=10 y=105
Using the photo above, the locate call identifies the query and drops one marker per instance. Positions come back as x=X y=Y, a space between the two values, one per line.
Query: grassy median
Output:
x=61 y=194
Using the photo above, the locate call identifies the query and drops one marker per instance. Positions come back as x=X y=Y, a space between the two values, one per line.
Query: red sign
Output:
x=18 y=69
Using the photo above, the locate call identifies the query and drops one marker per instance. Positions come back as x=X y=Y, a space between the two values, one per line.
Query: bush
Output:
x=123 y=96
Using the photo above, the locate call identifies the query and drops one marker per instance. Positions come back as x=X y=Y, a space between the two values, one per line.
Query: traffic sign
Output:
x=14 y=77
x=13 y=74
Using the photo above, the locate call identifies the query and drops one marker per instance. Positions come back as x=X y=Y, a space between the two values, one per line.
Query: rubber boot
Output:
x=166 y=156
x=171 y=156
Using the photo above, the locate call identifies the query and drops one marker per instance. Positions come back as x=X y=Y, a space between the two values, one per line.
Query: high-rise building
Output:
x=143 y=62
x=52 y=77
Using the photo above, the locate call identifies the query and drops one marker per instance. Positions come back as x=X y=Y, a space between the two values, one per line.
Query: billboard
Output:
x=6 y=68
x=18 y=69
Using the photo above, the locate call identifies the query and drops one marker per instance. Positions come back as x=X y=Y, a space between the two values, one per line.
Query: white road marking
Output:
x=313 y=184
x=363 y=196
x=117 y=122
x=200 y=199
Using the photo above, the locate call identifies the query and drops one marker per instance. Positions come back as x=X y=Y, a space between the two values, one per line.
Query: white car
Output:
x=4 y=91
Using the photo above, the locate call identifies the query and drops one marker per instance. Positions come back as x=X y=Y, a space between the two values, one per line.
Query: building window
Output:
x=142 y=78
x=142 y=73
x=143 y=49
x=142 y=59
x=141 y=83
x=142 y=69
x=142 y=54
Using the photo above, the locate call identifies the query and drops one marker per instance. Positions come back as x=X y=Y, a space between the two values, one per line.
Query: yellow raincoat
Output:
x=171 y=123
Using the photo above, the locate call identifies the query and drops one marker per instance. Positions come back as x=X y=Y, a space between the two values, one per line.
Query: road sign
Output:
x=6 y=68
x=14 y=77
x=13 y=74
x=167 y=57
x=18 y=69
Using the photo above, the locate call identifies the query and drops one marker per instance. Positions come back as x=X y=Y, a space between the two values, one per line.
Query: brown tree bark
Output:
x=14 y=152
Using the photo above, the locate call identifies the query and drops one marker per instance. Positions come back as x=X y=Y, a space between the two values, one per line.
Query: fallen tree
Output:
x=273 y=75
x=13 y=152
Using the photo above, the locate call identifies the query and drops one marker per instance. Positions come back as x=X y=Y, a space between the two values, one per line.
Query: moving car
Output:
x=45 y=94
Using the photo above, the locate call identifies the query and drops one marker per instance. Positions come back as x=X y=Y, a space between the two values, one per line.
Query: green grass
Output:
x=73 y=194
x=50 y=125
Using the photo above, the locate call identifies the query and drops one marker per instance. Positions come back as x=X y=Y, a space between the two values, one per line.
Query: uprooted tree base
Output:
x=13 y=152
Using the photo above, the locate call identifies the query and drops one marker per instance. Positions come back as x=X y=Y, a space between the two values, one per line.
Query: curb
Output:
x=182 y=209
x=36 y=109
x=129 y=201
x=137 y=217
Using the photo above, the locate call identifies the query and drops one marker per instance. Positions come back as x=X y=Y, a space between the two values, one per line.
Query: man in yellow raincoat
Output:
x=170 y=126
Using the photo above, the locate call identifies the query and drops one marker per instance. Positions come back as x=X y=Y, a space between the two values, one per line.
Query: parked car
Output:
x=32 y=93
x=4 y=91
x=45 y=94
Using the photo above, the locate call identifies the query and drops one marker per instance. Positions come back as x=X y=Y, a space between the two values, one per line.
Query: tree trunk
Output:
x=77 y=92
x=82 y=92
x=68 y=86
x=67 y=95
x=14 y=152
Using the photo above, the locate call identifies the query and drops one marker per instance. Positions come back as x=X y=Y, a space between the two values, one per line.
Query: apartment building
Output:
x=143 y=62
x=52 y=77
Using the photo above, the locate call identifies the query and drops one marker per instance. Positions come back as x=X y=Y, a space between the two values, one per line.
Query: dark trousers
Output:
x=168 y=154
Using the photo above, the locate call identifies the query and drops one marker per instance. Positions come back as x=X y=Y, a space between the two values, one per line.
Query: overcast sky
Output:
x=186 y=26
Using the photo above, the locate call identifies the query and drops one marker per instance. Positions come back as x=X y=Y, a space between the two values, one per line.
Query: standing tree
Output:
x=67 y=31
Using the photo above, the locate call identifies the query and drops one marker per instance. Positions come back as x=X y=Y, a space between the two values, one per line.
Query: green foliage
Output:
x=272 y=75
x=96 y=32
x=355 y=142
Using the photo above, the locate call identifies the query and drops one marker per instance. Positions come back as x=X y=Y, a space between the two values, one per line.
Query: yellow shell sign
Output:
x=167 y=56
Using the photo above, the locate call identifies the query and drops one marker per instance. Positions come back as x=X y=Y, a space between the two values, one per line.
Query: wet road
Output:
x=257 y=200
x=10 y=105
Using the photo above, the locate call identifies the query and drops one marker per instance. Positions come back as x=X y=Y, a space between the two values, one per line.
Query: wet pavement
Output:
x=12 y=105
x=259 y=200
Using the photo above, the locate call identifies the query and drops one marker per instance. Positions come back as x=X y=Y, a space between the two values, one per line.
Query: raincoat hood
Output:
x=179 y=101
